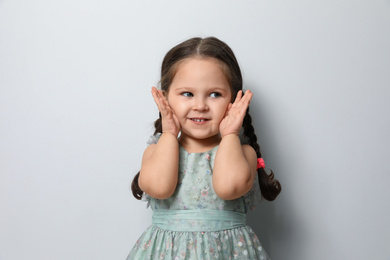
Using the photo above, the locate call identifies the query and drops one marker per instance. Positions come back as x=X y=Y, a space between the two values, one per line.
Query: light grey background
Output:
x=76 y=110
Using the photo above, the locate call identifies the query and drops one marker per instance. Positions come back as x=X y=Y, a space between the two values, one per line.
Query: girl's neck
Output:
x=192 y=145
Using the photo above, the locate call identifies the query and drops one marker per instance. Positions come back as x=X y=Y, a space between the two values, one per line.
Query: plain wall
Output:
x=76 y=111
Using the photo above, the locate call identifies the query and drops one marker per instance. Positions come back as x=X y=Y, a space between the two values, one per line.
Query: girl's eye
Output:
x=187 y=94
x=215 y=95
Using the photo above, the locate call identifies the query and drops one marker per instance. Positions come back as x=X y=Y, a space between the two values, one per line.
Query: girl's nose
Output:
x=200 y=105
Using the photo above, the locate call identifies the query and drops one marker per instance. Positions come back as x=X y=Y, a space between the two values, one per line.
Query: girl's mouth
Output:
x=198 y=119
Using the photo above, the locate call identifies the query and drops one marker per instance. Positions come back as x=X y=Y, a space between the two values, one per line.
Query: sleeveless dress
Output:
x=194 y=223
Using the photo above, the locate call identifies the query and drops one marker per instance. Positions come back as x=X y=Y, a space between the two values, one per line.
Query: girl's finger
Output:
x=155 y=96
x=238 y=97
x=228 y=109
x=162 y=97
x=158 y=99
x=247 y=97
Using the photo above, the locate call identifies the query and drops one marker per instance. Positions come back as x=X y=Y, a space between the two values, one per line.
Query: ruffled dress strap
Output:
x=153 y=139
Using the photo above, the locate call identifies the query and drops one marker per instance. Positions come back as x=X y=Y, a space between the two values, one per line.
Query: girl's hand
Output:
x=170 y=123
x=235 y=113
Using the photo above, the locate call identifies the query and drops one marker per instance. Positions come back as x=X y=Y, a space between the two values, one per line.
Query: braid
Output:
x=269 y=187
x=135 y=189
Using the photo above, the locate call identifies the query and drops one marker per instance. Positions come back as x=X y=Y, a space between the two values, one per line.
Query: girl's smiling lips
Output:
x=199 y=120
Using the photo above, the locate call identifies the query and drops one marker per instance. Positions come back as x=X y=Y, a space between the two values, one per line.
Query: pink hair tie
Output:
x=260 y=163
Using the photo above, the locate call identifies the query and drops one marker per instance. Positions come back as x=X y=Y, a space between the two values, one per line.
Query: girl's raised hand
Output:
x=235 y=113
x=170 y=123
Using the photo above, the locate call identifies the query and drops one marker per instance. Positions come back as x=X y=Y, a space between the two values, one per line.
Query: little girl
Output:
x=203 y=168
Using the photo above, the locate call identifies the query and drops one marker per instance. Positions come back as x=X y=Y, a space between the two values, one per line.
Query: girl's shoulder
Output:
x=151 y=145
x=149 y=150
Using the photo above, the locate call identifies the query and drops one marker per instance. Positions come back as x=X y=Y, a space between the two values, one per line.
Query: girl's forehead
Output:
x=201 y=67
x=200 y=72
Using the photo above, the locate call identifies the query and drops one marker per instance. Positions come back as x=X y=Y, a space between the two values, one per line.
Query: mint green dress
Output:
x=194 y=223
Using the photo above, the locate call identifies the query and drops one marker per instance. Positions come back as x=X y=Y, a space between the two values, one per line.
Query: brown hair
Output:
x=212 y=47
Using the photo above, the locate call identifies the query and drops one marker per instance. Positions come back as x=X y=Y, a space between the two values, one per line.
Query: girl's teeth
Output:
x=198 y=120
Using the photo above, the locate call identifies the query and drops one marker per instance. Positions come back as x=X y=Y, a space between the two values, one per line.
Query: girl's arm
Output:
x=235 y=164
x=234 y=168
x=160 y=162
x=160 y=167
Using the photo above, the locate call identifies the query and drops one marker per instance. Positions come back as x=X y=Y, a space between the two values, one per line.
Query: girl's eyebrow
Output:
x=212 y=89
x=219 y=89
x=182 y=89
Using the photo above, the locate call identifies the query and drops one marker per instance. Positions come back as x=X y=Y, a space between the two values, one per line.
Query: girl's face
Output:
x=199 y=96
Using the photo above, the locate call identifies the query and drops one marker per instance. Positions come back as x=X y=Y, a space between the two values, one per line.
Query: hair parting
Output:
x=214 y=48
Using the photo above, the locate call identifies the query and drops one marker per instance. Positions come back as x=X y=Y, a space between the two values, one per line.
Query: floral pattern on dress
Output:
x=238 y=243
